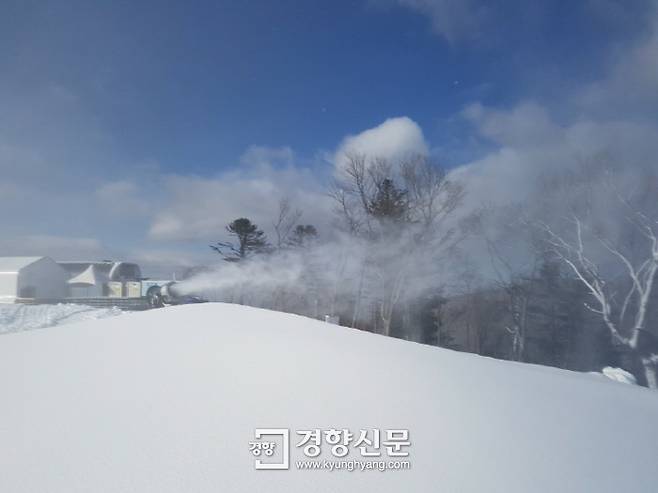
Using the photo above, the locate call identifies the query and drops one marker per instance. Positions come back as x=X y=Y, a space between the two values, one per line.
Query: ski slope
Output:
x=168 y=400
x=19 y=317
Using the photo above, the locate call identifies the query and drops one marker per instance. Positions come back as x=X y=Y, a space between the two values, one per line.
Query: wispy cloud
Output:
x=612 y=122
x=454 y=20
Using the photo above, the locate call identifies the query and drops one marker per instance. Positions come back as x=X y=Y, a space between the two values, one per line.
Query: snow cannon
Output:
x=170 y=294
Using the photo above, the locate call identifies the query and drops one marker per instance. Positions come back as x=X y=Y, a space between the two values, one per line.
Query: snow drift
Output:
x=167 y=401
x=18 y=317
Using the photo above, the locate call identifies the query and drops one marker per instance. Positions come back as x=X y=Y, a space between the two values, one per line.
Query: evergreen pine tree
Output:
x=250 y=240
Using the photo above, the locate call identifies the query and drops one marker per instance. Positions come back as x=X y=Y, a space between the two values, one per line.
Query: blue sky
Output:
x=133 y=96
x=192 y=84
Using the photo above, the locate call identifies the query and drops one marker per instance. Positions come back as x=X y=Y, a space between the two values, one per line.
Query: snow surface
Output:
x=167 y=401
x=19 y=317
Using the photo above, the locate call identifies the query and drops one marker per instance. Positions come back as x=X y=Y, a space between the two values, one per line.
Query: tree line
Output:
x=564 y=277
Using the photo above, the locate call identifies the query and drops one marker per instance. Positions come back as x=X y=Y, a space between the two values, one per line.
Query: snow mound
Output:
x=168 y=400
x=18 y=317
x=619 y=375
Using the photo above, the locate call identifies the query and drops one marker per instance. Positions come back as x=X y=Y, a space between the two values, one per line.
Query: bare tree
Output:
x=402 y=211
x=622 y=295
x=432 y=196
x=285 y=222
x=514 y=258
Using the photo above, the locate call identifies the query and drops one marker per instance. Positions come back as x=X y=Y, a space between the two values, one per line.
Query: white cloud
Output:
x=199 y=208
x=512 y=171
x=455 y=20
x=525 y=125
x=393 y=139
x=616 y=122
x=631 y=84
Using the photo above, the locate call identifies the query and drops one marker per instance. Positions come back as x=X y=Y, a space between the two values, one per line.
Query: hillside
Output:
x=168 y=400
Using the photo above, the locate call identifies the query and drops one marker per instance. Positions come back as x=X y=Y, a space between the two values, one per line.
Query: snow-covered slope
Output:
x=18 y=317
x=167 y=401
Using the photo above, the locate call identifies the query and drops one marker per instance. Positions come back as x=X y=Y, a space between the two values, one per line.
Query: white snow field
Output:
x=168 y=400
x=18 y=317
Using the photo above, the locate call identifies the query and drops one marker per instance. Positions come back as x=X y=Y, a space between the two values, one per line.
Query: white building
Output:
x=31 y=278
x=102 y=279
